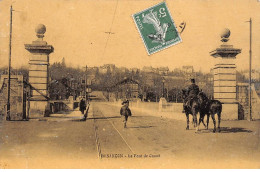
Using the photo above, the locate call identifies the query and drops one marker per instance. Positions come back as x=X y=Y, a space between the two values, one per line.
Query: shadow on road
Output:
x=234 y=130
x=228 y=130
x=141 y=127
x=111 y=117
x=78 y=120
x=59 y=117
x=106 y=117
x=65 y=112
x=138 y=116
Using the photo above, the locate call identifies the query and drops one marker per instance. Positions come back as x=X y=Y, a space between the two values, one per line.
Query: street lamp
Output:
x=250 y=69
x=85 y=84
x=163 y=81
x=8 y=115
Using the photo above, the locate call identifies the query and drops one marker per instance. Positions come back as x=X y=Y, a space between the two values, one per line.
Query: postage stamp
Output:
x=157 y=28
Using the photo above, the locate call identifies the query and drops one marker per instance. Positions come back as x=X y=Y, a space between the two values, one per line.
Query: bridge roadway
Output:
x=63 y=141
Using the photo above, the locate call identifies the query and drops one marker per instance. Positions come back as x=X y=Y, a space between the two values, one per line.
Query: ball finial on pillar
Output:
x=225 y=78
x=40 y=30
x=225 y=35
x=39 y=74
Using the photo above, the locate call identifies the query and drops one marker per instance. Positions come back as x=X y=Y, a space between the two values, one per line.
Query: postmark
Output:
x=157 y=28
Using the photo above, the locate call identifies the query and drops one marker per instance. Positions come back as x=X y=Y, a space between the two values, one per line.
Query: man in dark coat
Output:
x=193 y=91
x=82 y=105
x=125 y=112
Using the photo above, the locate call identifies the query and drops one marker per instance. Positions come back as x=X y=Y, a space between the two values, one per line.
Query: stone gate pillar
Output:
x=225 y=81
x=39 y=73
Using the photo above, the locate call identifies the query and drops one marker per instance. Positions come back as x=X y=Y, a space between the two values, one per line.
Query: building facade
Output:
x=126 y=89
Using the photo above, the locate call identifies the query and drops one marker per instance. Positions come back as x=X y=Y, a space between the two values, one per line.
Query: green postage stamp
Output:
x=157 y=28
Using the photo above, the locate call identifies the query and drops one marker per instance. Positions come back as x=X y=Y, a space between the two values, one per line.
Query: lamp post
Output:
x=162 y=102
x=9 y=66
x=85 y=86
x=250 y=69
x=163 y=81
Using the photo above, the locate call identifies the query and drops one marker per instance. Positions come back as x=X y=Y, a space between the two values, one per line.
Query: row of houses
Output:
x=148 y=69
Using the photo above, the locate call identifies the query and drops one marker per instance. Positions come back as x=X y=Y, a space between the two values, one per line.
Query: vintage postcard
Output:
x=129 y=84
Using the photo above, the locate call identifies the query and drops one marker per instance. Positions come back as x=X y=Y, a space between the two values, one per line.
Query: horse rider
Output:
x=192 y=91
x=125 y=112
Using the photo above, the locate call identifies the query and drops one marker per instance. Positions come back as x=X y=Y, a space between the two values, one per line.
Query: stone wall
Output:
x=17 y=97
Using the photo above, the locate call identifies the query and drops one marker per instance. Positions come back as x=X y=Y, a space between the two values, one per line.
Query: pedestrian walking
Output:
x=125 y=112
x=82 y=105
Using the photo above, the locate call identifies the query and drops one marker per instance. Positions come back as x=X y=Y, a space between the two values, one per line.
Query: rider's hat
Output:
x=192 y=80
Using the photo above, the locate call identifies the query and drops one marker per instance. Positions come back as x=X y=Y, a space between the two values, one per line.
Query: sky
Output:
x=76 y=29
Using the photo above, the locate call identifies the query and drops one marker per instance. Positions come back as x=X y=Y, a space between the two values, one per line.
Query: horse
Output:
x=209 y=107
x=193 y=109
